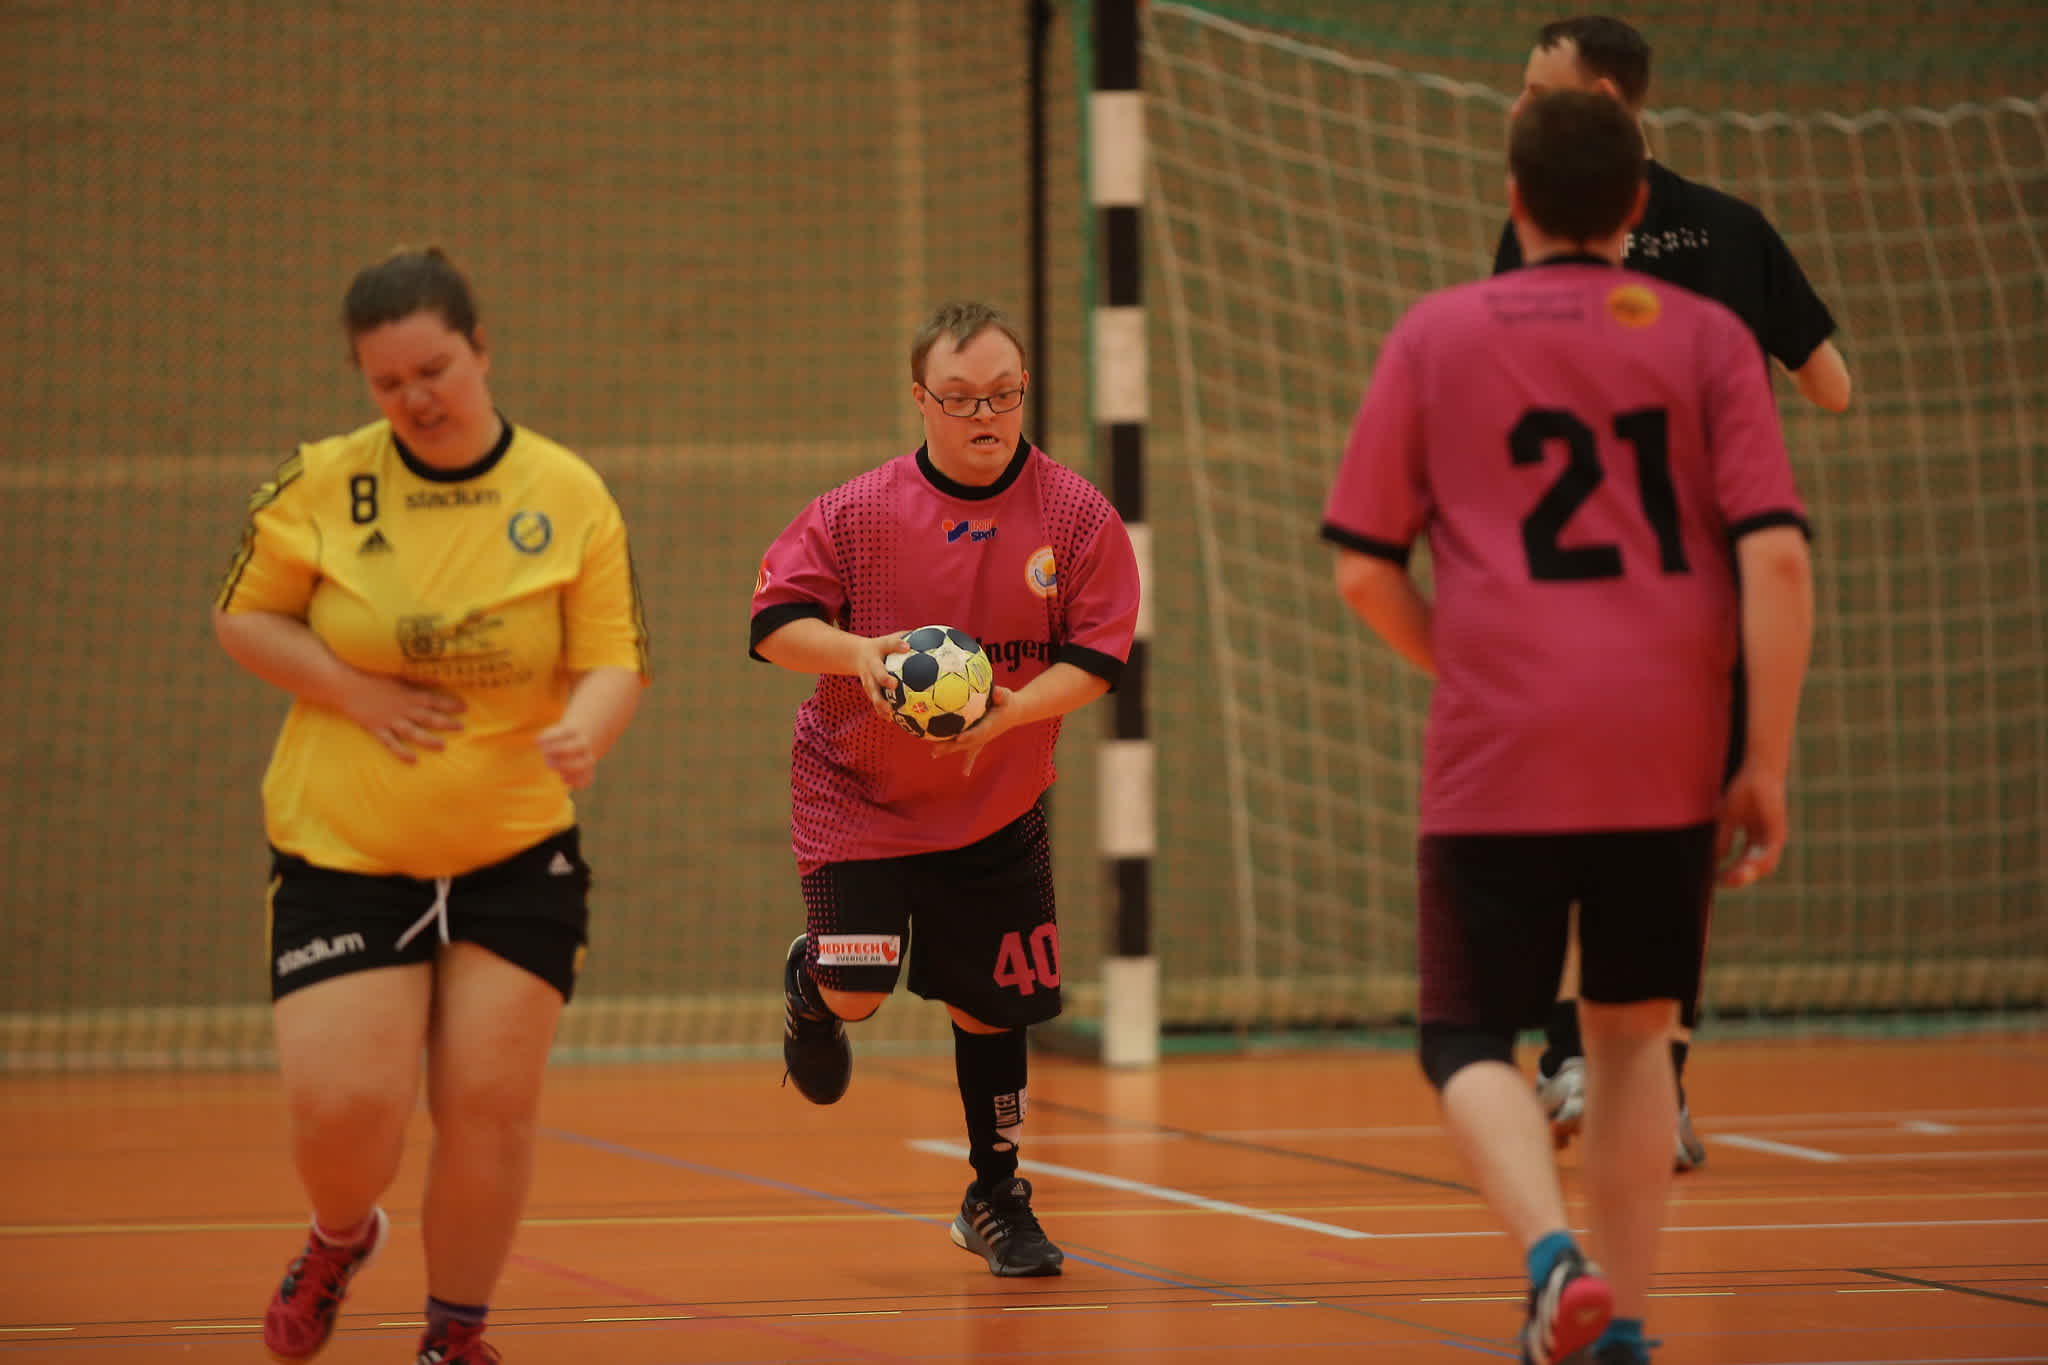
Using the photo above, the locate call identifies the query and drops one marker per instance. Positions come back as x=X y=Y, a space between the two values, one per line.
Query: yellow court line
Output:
x=855 y=1313
x=1902 y=1289
x=1266 y=1303
x=1475 y=1298
x=216 y=1327
x=649 y=1317
x=38 y=1329
x=1692 y=1293
x=1055 y=1308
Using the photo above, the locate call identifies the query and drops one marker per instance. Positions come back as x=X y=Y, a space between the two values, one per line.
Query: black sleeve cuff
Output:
x=1107 y=667
x=1366 y=545
x=768 y=620
x=1763 y=521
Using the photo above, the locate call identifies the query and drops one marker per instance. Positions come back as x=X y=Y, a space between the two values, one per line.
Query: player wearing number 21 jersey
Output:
x=1592 y=456
x=1583 y=447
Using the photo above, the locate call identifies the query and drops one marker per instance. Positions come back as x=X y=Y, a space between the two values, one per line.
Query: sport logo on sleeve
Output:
x=859 y=950
x=1042 y=572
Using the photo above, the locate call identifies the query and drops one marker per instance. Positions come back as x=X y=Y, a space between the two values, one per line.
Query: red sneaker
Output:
x=461 y=1343
x=302 y=1312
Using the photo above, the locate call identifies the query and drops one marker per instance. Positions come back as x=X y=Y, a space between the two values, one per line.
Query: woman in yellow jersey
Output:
x=449 y=602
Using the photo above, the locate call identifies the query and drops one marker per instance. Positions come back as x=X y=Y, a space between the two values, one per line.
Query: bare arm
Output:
x=1777 y=638
x=1382 y=595
x=1824 y=379
x=1061 y=688
x=284 y=652
x=601 y=703
x=811 y=645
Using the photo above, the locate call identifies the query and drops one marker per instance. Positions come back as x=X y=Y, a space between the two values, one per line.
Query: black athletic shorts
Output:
x=532 y=909
x=1495 y=913
x=987 y=941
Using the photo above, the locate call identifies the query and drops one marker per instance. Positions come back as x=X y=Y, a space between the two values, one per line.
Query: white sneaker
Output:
x=1563 y=1097
x=1691 y=1151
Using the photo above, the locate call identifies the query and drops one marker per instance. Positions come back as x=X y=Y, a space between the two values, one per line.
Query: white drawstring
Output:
x=437 y=911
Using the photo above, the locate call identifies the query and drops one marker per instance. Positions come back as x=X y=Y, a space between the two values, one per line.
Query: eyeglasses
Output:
x=967 y=405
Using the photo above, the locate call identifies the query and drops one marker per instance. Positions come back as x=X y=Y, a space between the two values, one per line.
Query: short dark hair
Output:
x=412 y=279
x=1606 y=47
x=1578 y=160
x=963 y=322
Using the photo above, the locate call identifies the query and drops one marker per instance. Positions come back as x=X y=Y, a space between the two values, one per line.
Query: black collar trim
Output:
x=482 y=466
x=967 y=492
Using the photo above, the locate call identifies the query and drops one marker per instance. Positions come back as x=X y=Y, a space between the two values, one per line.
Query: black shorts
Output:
x=532 y=909
x=1496 y=912
x=987 y=941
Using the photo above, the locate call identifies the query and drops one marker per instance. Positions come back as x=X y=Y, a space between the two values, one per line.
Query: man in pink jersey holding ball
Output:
x=1592 y=454
x=980 y=530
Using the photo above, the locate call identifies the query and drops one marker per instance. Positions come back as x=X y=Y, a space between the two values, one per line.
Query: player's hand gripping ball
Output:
x=942 y=682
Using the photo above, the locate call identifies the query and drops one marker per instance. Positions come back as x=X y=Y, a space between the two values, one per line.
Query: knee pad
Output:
x=1447 y=1049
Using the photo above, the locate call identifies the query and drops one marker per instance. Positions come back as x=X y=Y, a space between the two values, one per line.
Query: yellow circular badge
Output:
x=1632 y=305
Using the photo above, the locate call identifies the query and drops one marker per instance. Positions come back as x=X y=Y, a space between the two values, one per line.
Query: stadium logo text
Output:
x=453 y=497
x=319 y=950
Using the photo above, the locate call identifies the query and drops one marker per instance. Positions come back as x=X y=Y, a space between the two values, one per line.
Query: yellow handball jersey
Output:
x=498 y=583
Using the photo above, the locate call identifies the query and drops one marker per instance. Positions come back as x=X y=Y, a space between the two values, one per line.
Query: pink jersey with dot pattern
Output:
x=1037 y=567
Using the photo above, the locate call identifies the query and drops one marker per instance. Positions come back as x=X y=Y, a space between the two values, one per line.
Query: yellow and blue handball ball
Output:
x=942 y=682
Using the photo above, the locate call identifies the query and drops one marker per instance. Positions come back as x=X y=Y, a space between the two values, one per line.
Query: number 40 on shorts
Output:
x=1026 y=972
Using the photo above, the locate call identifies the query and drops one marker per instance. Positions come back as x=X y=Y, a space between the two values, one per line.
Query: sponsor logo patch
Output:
x=1633 y=306
x=981 y=528
x=1042 y=572
x=529 y=532
x=859 y=950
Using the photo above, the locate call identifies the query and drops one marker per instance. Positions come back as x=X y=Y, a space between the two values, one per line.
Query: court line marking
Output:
x=649 y=1317
x=1970 y=1154
x=598 y=1144
x=1918 y=1282
x=1164 y=1193
x=1757 y=1144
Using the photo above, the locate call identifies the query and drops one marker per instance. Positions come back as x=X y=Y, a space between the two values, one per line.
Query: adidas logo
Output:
x=561 y=866
x=374 y=544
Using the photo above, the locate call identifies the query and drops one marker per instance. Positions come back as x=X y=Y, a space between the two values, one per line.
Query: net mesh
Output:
x=701 y=244
x=701 y=238
x=1304 y=194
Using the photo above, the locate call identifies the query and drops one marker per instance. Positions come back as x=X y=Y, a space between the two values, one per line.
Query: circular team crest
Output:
x=1633 y=306
x=1041 y=572
x=530 y=532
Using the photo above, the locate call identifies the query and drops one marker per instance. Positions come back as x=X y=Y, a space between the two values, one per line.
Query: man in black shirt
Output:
x=1713 y=244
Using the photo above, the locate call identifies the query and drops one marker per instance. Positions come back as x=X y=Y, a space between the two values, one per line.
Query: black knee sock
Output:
x=991 y=1068
x=1679 y=1052
x=1561 y=1033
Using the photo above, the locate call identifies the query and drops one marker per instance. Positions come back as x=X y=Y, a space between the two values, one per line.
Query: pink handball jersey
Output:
x=1583 y=447
x=1037 y=567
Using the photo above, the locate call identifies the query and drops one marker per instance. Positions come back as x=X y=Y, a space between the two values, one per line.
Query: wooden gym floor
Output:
x=1864 y=1203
